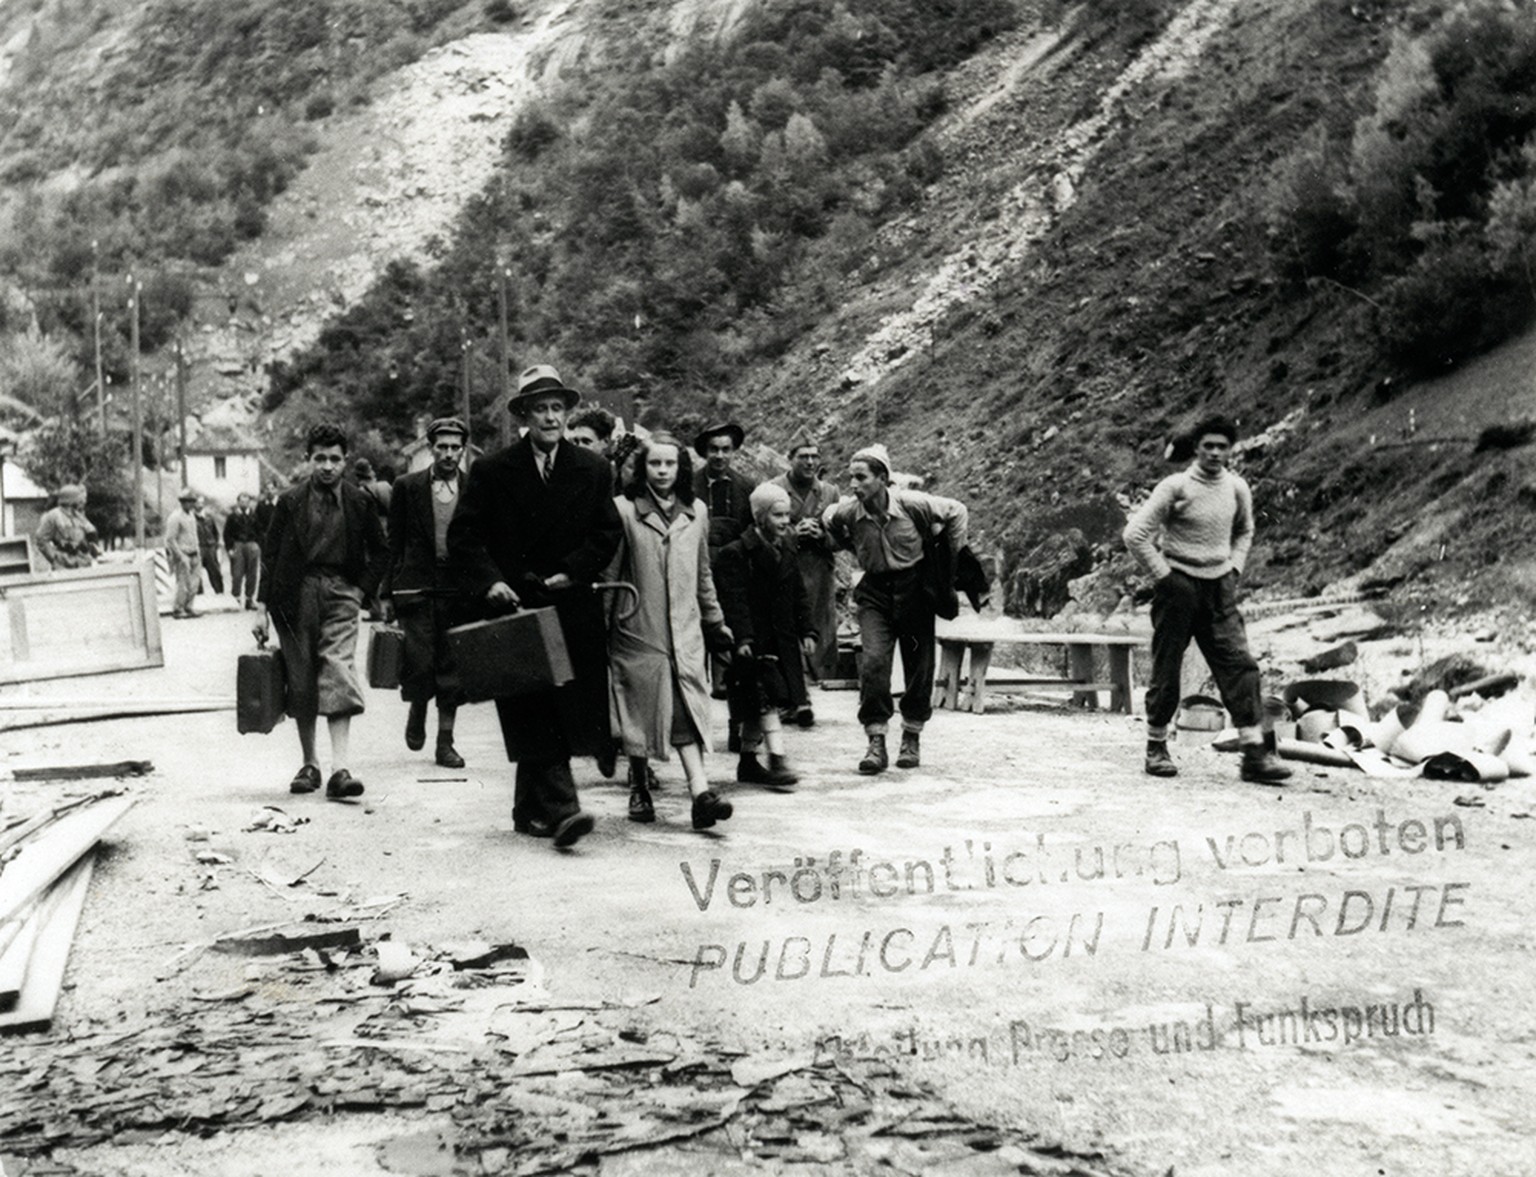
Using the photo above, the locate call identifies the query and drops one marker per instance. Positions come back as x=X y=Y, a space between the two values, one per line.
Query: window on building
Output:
x=220 y=467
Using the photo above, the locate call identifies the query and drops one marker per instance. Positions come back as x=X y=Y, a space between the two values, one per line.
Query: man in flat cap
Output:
x=886 y=528
x=536 y=526
x=64 y=536
x=809 y=496
x=183 y=551
x=321 y=558
x=421 y=588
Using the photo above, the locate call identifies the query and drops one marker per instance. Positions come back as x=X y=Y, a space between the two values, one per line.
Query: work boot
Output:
x=908 y=756
x=750 y=770
x=780 y=776
x=416 y=727
x=875 y=759
x=447 y=755
x=640 y=807
x=1262 y=767
x=708 y=808
x=1159 y=763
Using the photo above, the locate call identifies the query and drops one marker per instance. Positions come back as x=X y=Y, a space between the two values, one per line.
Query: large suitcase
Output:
x=386 y=657
x=522 y=653
x=260 y=690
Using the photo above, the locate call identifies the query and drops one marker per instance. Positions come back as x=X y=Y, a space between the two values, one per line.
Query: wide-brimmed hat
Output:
x=540 y=380
x=447 y=425
x=725 y=429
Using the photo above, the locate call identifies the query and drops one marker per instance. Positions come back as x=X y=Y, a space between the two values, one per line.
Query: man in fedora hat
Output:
x=1192 y=536
x=535 y=527
x=321 y=558
x=421 y=589
x=183 y=550
x=810 y=495
x=725 y=491
x=887 y=529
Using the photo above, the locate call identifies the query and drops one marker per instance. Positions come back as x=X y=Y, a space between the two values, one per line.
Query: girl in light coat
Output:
x=658 y=655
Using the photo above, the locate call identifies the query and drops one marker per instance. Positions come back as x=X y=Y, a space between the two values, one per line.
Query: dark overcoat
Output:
x=765 y=603
x=513 y=526
x=285 y=548
x=727 y=526
x=425 y=595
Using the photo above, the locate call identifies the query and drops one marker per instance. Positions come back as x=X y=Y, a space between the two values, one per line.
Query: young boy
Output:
x=322 y=557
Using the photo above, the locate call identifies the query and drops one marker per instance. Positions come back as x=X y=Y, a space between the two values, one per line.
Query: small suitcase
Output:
x=260 y=690
x=522 y=653
x=386 y=657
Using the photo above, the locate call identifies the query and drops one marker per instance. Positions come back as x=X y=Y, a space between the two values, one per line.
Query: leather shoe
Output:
x=306 y=780
x=780 y=775
x=640 y=807
x=875 y=759
x=416 y=731
x=534 y=829
x=448 y=756
x=1159 y=763
x=572 y=829
x=805 y=717
x=750 y=770
x=1262 y=767
x=608 y=761
x=342 y=786
x=708 y=808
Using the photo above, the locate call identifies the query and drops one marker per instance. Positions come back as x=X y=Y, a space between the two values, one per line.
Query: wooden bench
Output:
x=1078 y=675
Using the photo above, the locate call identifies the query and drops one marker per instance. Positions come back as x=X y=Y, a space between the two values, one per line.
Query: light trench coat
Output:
x=669 y=566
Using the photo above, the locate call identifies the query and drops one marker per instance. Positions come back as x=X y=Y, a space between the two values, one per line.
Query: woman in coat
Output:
x=658 y=655
x=764 y=600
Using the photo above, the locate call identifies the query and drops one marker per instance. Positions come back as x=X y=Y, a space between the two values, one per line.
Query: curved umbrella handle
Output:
x=620 y=586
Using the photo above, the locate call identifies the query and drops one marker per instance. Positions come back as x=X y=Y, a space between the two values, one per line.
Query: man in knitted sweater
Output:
x=1203 y=518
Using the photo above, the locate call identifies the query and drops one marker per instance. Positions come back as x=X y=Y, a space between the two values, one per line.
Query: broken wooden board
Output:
x=46 y=855
x=82 y=772
x=62 y=711
x=60 y=914
x=79 y=621
x=17 y=939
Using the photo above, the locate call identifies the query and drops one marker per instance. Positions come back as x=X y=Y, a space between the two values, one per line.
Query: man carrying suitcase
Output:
x=322 y=556
x=536 y=525
x=420 y=589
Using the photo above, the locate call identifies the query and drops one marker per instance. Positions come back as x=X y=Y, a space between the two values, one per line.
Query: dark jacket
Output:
x=413 y=536
x=726 y=528
x=512 y=526
x=284 y=556
x=765 y=604
x=240 y=528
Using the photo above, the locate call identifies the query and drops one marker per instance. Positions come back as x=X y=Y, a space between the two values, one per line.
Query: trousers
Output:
x=894 y=612
x=1185 y=607
x=244 y=568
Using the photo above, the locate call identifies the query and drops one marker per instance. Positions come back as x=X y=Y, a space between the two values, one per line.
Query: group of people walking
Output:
x=725 y=571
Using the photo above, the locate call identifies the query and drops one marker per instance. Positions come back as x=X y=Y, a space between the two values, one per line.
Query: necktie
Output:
x=545 y=462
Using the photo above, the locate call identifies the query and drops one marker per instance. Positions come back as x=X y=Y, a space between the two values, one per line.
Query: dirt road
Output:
x=1193 y=975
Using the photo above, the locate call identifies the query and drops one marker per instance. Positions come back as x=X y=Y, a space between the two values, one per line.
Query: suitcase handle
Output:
x=620 y=586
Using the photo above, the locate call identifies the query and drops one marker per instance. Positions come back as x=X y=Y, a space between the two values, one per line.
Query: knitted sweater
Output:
x=1206 y=525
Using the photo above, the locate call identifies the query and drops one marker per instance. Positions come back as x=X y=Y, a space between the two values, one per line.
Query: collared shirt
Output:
x=892 y=541
x=181 y=533
x=544 y=462
x=327 y=527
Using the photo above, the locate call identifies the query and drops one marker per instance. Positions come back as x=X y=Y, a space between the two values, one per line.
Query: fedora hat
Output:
x=725 y=429
x=540 y=380
x=187 y=496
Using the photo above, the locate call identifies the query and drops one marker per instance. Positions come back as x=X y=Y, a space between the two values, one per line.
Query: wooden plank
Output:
x=999 y=681
x=74 y=703
x=22 y=935
x=67 y=715
x=50 y=956
x=1044 y=639
x=79 y=621
x=48 y=855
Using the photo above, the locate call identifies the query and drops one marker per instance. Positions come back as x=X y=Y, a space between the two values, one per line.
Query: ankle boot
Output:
x=875 y=759
x=750 y=770
x=640 y=807
x=909 y=755
x=780 y=775
x=1159 y=763
x=1262 y=767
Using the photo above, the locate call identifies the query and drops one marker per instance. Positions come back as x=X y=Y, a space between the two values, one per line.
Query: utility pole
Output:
x=464 y=391
x=181 y=408
x=160 y=399
x=101 y=383
x=136 y=449
x=506 y=359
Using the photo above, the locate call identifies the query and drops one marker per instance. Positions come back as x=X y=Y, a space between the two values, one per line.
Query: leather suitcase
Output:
x=522 y=653
x=260 y=690
x=386 y=657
